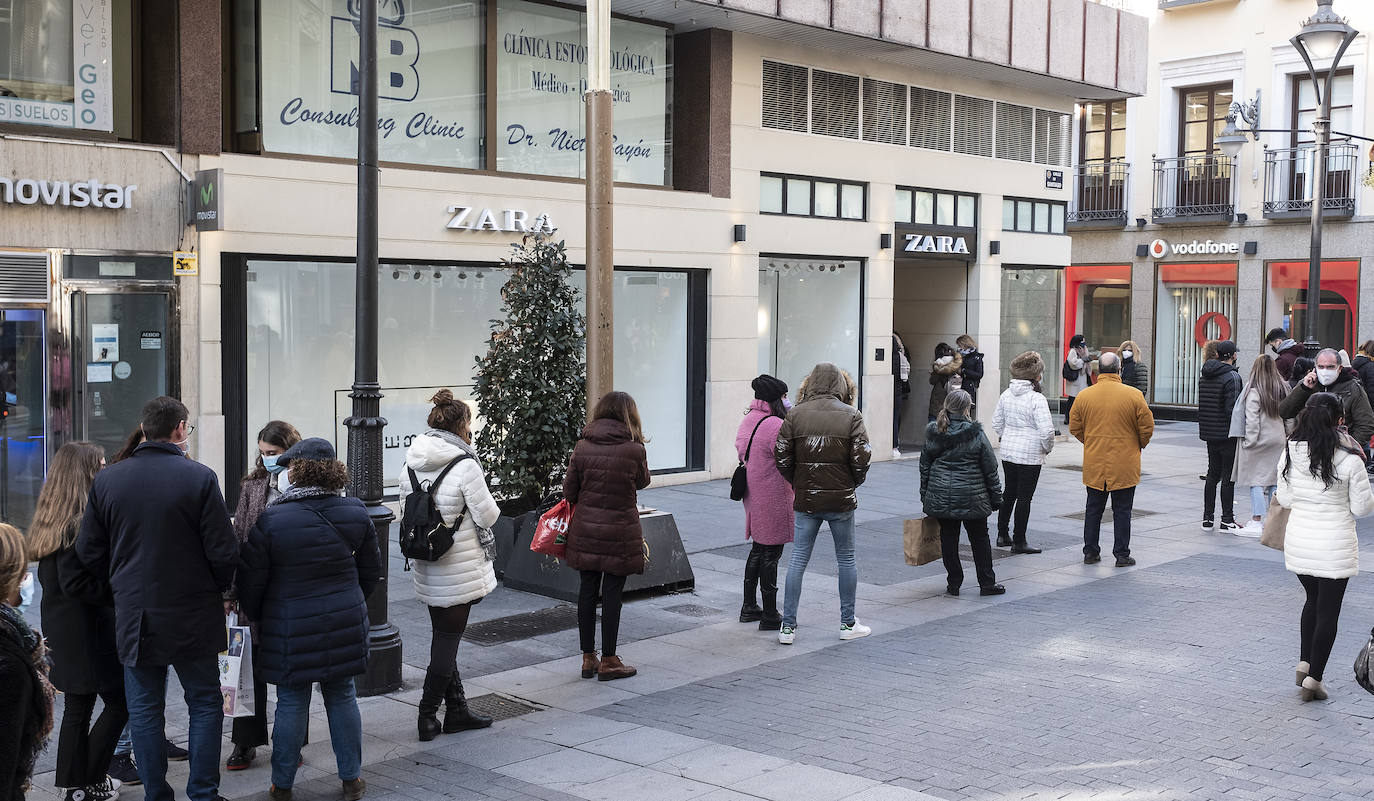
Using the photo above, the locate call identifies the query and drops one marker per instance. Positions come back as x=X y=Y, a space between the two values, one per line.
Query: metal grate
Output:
x=930 y=118
x=500 y=707
x=1015 y=132
x=884 y=112
x=24 y=277
x=1107 y=516
x=785 y=96
x=1052 y=137
x=693 y=610
x=522 y=626
x=973 y=125
x=834 y=104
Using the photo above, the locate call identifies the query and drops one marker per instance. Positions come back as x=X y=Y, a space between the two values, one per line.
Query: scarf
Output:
x=485 y=536
x=16 y=636
x=295 y=493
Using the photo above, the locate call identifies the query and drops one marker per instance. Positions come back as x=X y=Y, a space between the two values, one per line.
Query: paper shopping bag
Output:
x=1275 y=525
x=921 y=540
x=551 y=535
x=236 y=670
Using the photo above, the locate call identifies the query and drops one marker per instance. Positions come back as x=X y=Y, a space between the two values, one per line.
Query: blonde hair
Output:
x=956 y=402
x=13 y=561
x=62 y=501
x=1132 y=347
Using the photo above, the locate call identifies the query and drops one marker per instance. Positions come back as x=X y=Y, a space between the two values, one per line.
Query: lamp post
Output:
x=366 y=422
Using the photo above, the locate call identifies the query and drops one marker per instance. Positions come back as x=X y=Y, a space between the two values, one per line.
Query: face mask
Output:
x=269 y=464
x=1327 y=376
x=1126 y=354
x=786 y=404
x=25 y=593
x=284 y=480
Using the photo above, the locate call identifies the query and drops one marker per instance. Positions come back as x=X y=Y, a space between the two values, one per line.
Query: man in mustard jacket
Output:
x=1114 y=424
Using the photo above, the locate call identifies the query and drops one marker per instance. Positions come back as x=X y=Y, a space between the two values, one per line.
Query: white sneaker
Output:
x=1252 y=529
x=855 y=631
x=1208 y=525
x=786 y=635
x=896 y=454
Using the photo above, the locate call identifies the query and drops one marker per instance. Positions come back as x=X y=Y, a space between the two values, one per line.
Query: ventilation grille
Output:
x=24 y=277
x=884 y=112
x=1051 y=138
x=930 y=117
x=784 y=96
x=1015 y=137
x=973 y=120
x=834 y=104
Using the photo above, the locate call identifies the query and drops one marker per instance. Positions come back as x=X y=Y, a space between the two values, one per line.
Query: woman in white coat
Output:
x=1322 y=479
x=463 y=575
x=1022 y=422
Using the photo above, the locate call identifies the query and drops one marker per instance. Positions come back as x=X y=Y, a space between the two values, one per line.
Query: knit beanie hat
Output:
x=768 y=389
x=1028 y=366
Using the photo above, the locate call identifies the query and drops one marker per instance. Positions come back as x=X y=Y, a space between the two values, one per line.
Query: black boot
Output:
x=430 y=698
x=457 y=715
x=750 y=611
x=770 y=620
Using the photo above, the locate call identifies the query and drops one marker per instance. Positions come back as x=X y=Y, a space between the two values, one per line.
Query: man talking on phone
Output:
x=1345 y=384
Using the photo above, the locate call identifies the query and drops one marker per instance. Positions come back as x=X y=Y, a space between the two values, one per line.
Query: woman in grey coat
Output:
x=1261 y=439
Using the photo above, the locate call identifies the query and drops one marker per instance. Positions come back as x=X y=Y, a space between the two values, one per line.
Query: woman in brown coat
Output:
x=605 y=544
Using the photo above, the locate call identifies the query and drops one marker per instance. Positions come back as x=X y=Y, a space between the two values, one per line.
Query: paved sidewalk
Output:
x=1169 y=680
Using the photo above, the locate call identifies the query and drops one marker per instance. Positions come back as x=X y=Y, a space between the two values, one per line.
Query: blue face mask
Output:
x=270 y=464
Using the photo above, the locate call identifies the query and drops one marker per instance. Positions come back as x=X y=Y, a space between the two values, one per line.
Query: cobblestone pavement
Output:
x=1169 y=680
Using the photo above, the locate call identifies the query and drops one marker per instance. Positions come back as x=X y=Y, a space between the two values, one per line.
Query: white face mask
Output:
x=1327 y=375
x=1126 y=354
x=284 y=481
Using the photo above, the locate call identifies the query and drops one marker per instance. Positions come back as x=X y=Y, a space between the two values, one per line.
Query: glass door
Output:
x=22 y=405
x=123 y=352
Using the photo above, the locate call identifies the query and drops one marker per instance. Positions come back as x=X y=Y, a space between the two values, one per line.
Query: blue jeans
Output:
x=807 y=527
x=146 y=690
x=1259 y=499
x=125 y=746
x=293 y=721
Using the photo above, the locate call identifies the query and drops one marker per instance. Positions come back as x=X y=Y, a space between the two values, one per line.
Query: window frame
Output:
x=1295 y=111
x=812 y=180
x=1109 y=131
x=1045 y=203
x=934 y=206
x=1211 y=90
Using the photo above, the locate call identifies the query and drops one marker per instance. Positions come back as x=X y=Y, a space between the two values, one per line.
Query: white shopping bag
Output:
x=236 y=670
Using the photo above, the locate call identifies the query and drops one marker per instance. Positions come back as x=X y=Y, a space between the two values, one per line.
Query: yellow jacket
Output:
x=1114 y=424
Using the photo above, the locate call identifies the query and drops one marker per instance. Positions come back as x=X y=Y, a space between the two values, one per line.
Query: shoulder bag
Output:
x=739 y=482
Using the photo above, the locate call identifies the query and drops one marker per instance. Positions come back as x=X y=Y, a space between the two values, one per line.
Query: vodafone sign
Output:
x=1160 y=249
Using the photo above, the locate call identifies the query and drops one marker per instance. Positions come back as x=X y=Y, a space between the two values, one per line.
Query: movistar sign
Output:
x=206 y=204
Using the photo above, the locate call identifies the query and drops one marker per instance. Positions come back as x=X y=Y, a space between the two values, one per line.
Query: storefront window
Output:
x=1285 y=301
x=1030 y=318
x=809 y=312
x=1097 y=304
x=1194 y=303
x=56 y=67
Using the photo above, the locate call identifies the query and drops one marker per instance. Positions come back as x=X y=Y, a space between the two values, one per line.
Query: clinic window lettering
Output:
x=1033 y=216
x=935 y=207
x=804 y=196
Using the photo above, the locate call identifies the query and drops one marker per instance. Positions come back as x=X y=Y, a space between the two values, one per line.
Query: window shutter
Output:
x=973 y=121
x=1015 y=135
x=835 y=104
x=1051 y=138
x=930 y=116
x=24 y=277
x=884 y=112
x=784 y=96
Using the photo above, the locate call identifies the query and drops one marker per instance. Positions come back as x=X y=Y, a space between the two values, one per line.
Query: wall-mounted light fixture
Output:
x=1139 y=222
x=1242 y=217
x=994 y=247
x=1251 y=248
x=739 y=233
x=884 y=241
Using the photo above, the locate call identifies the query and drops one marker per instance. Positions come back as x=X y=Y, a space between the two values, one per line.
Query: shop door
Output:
x=123 y=358
x=22 y=407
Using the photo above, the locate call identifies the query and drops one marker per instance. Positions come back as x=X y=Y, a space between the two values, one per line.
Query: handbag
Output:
x=551 y=533
x=236 y=670
x=739 y=482
x=921 y=540
x=1068 y=372
x=1362 y=665
x=1275 y=524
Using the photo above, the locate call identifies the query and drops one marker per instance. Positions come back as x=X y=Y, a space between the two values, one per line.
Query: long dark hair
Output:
x=1317 y=426
x=131 y=444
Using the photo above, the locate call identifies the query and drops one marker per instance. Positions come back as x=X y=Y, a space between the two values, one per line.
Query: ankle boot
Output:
x=431 y=696
x=750 y=611
x=612 y=668
x=457 y=716
x=589 y=664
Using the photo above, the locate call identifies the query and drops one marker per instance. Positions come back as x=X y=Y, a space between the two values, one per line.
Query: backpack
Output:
x=423 y=533
x=1068 y=372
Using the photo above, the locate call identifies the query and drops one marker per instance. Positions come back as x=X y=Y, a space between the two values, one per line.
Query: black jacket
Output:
x=79 y=625
x=26 y=709
x=972 y=373
x=959 y=479
x=305 y=574
x=156 y=526
x=1359 y=416
x=1217 y=391
x=1365 y=367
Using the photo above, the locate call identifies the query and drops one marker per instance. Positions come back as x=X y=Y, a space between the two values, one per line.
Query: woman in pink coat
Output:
x=768 y=505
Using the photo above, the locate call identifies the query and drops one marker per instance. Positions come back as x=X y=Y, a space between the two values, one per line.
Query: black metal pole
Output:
x=366 y=423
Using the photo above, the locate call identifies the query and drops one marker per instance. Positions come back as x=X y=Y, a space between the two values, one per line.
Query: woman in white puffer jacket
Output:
x=463 y=575
x=1322 y=479
x=1022 y=421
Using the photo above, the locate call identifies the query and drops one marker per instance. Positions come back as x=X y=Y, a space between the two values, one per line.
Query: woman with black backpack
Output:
x=442 y=463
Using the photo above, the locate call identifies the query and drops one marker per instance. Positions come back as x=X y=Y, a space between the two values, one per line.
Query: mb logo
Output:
x=559 y=524
x=398 y=53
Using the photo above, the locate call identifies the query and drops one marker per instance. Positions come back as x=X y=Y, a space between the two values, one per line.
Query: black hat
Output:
x=313 y=449
x=768 y=389
x=1078 y=341
x=1225 y=350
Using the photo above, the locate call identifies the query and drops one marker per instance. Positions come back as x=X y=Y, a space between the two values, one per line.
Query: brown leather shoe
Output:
x=353 y=789
x=612 y=668
x=590 y=664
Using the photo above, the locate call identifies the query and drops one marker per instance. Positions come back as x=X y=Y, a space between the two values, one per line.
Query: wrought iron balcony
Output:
x=1194 y=188
x=1100 y=192
x=1289 y=176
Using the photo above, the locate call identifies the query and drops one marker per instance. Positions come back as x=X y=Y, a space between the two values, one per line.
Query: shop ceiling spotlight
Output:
x=416 y=276
x=395 y=275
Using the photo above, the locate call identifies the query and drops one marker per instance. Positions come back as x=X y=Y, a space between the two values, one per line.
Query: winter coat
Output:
x=156 y=526
x=463 y=574
x=1288 y=353
x=822 y=447
x=1135 y=373
x=254 y=495
x=1320 y=537
x=23 y=697
x=972 y=372
x=1259 y=451
x=1114 y=424
x=1084 y=380
x=1023 y=423
x=1359 y=417
x=1217 y=391
x=940 y=377
x=959 y=479
x=605 y=474
x=768 y=506
x=1365 y=367
x=79 y=625
x=305 y=574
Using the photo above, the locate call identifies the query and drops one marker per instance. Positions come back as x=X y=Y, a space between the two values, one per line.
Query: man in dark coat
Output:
x=1217 y=391
x=823 y=451
x=156 y=525
x=1286 y=351
x=1344 y=384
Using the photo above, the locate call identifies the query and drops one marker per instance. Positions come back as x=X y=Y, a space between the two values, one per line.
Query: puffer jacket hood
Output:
x=822 y=448
x=606 y=432
x=430 y=452
x=825 y=381
x=959 y=477
x=1020 y=386
x=1218 y=389
x=1022 y=420
x=1214 y=368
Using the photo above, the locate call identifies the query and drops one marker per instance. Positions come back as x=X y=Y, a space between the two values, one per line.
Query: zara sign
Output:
x=519 y=221
x=935 y=242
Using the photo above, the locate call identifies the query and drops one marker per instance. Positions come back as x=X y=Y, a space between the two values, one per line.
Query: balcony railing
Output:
x=1290 y=174
x=1100 y=193
x=1193 y=188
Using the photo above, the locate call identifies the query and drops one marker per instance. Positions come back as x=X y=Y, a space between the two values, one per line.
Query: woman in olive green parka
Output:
x=960 y=486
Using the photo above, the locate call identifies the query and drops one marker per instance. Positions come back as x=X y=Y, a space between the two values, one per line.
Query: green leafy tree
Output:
x=531 y=384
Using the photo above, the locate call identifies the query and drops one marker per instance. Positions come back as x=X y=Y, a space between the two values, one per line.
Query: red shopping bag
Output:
x=551 y=535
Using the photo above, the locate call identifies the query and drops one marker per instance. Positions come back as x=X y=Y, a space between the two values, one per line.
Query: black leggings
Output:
x=1319 y=617
x=448 y=623
x=610 y=588
x=84 y=751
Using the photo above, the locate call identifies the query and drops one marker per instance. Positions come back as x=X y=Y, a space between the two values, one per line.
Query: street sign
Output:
x=1054 y=179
